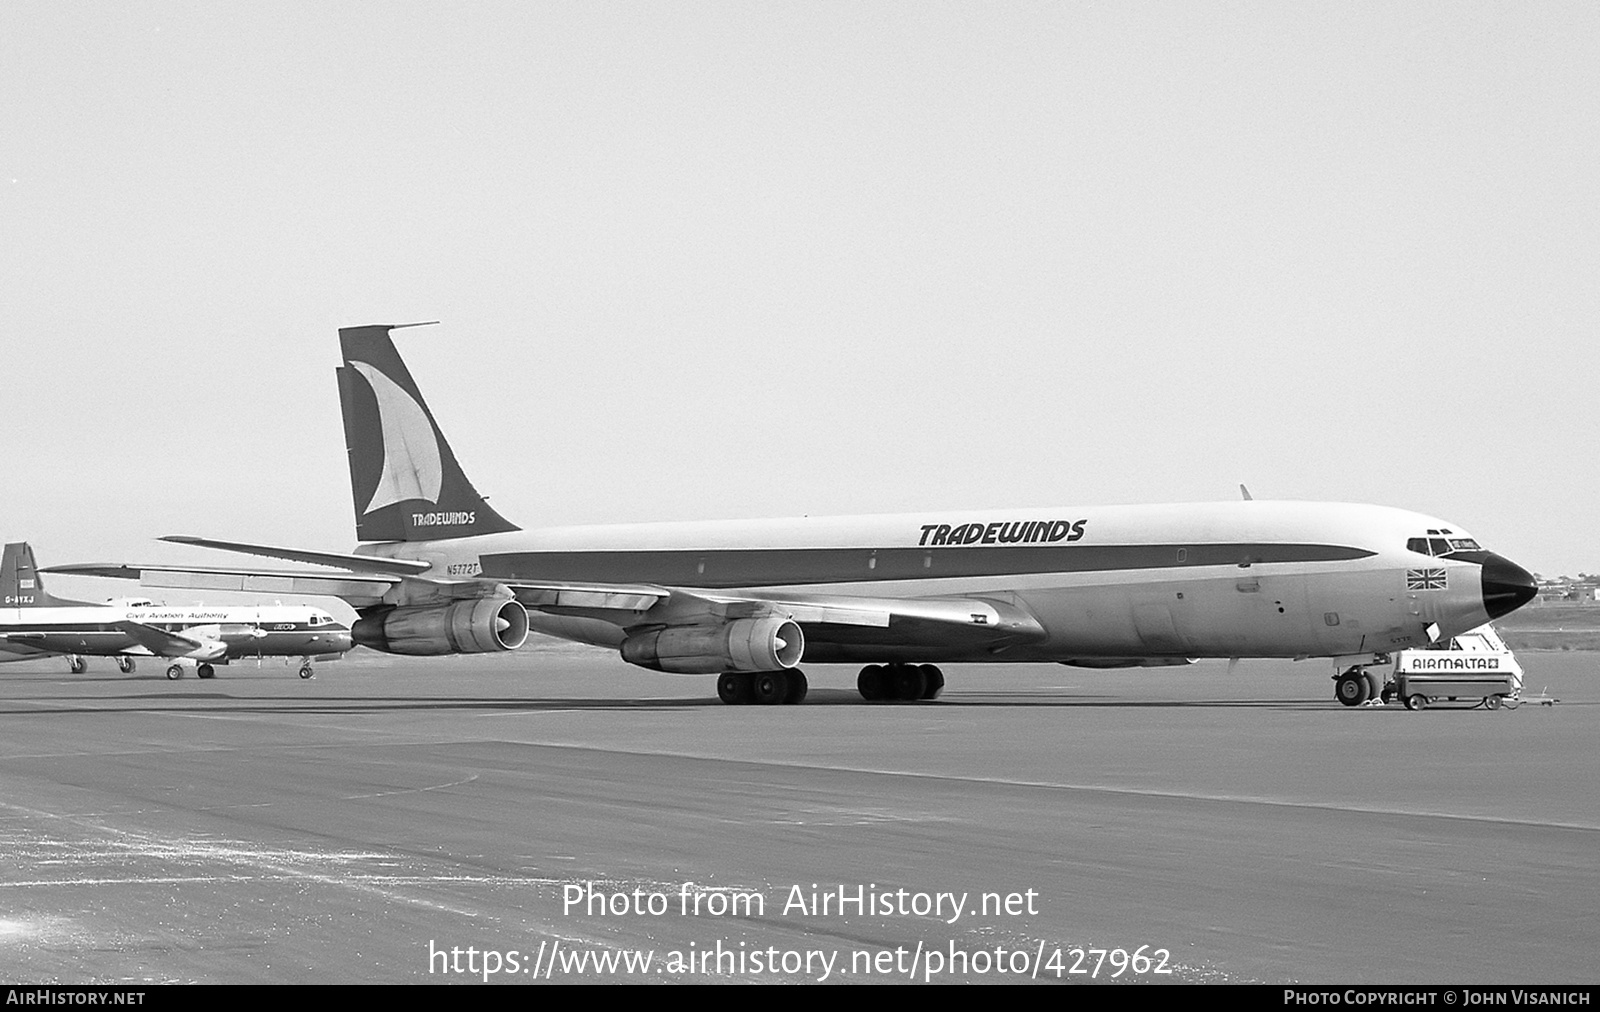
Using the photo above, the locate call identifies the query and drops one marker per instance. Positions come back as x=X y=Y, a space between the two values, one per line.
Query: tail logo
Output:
x=412 y=468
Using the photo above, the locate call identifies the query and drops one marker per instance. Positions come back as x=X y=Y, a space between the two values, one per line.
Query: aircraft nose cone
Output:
x=1506 y=586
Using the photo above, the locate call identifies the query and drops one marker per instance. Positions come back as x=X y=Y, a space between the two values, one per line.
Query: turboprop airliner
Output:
x=35 y=623
x=440 y=571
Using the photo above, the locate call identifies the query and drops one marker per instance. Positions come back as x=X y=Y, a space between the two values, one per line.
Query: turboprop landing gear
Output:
x=767 y=687
x=125 y=664
x=77 y=665
x=175 y=671
x=903 y=682
x=305 y=669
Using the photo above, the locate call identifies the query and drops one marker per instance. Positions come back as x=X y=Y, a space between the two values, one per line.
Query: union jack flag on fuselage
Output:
x=1425 y=579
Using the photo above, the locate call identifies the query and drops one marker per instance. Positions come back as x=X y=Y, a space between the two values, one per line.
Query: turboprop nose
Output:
x=1506 y=586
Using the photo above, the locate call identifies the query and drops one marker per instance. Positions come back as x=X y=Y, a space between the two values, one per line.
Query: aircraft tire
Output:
x=77 y=665
x=733 y=688
x=1350 y=688
x=770 y=687
x=871 y=683
x=205 y=671
x=908 y=681
x=934 y=681
x=798 y=686
x=305 y=671
x=175 y=671
x=1374 y=687
x=125 y=664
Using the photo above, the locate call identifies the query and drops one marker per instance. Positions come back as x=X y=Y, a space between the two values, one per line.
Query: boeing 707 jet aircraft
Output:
x=439 y=571
x=34 y=623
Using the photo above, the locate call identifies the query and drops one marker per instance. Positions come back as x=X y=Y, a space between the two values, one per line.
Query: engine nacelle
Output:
x=466 y=627
x=747 y=644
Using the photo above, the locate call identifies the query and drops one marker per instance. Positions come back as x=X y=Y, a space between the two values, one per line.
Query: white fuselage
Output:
x=1233 y=579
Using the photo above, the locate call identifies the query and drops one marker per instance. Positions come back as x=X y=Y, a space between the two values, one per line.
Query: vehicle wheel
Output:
x=934 y=679
x=1350 y=689
x=733 y=688
x=871 y=682
x=305 y=671
x=1388 y=694
x=909 y=683
x=770 y=686
x=798 y=687
x=175 y=672
x=1491 y=702
x=206 y=671
x=77 y=665
x=1416 y=701
x=125 y=664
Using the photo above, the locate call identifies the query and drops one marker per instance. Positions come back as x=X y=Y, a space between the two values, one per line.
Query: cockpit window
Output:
x=1441 y=546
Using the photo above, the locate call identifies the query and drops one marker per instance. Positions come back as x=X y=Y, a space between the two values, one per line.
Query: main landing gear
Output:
x=175 y=671
x=305 y=669
x=738 y=687
x=1355 y=686
x=903 y=682
x=77 y=665
x=125 y=664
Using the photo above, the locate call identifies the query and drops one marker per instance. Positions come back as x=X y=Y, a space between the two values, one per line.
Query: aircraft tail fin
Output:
x=404 y=477
x=21 y=586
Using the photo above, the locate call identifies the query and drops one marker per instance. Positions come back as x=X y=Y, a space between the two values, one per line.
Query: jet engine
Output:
x=747 y=644
x=466 y=627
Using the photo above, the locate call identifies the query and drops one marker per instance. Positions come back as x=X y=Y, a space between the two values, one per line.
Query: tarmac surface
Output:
x=1240 y=826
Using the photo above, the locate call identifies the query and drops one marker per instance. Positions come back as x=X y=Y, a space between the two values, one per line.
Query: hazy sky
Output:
x=763 y=259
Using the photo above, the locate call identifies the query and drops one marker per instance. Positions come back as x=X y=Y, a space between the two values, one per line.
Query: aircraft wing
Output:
x=978 y=622
x=159 y=641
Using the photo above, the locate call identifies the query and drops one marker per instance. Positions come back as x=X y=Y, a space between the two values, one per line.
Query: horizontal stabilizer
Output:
x=363 y=564
x=367 y=585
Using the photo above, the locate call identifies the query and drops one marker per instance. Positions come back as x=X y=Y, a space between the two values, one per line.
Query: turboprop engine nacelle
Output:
x=748 y=644
x=210 y=645
x=466 y=627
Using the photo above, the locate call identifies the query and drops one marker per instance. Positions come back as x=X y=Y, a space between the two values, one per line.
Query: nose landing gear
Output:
x=1356 y=686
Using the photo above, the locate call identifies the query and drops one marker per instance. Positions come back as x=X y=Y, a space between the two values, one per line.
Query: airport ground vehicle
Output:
x=1474 y=667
